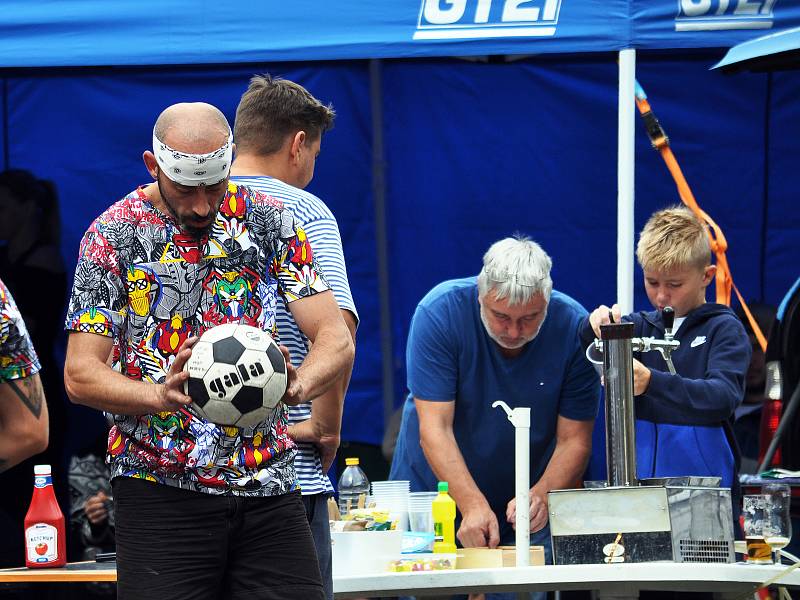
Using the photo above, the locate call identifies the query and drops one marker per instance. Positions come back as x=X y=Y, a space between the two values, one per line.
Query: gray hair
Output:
x=516 y=268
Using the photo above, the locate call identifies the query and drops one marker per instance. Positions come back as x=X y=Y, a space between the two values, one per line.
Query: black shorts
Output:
x=177 y=544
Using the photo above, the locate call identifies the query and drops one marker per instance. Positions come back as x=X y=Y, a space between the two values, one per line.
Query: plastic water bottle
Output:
x=353 y=484
x=443 y=508
x=45 y=534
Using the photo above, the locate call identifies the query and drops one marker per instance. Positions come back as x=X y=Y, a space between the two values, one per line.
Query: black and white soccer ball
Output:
x=237 y=375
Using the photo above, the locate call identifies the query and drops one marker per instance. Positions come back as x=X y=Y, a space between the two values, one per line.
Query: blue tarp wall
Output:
x=474 y=150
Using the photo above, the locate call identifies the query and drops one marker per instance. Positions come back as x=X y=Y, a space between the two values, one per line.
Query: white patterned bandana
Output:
x=194 y=169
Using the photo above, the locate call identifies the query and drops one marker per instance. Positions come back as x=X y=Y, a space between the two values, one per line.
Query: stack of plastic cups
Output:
x=392 y=496
x=420 y=518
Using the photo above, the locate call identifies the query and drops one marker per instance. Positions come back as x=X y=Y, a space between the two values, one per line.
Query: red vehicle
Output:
x=780 y=420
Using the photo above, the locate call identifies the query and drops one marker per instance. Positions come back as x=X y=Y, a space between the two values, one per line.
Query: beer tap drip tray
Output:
x=685 y=481
x=680 y=519
x=688 y=481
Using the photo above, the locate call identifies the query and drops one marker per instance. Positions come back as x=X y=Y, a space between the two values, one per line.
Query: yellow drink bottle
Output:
x=443 y=508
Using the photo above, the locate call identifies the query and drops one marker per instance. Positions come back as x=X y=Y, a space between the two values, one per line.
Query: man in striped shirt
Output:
x=278 y=131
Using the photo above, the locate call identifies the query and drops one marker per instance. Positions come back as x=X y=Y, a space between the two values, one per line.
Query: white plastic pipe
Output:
x=521 y=419
x=522 y=447
x=626 y=115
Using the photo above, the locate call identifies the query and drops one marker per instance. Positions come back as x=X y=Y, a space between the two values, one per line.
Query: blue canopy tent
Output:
x=175 y=32
x=433 y=157
x=773 y=52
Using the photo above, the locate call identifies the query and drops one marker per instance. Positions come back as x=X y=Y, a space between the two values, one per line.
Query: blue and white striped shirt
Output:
x=320 y=226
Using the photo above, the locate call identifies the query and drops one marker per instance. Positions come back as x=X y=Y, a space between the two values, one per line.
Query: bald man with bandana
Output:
x=202 y=511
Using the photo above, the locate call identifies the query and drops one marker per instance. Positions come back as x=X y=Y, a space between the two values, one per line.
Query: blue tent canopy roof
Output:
x=48 y=33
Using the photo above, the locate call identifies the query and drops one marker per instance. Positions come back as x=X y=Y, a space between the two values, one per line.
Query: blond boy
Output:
x=683 y=421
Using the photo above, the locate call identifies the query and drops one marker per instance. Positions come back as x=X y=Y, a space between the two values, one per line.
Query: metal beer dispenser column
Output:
x=620 y=424
x=618 y=345
x=624 y=519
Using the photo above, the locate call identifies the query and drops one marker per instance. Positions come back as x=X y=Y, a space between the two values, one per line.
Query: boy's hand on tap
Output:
x=641 y=378
x=602 y=315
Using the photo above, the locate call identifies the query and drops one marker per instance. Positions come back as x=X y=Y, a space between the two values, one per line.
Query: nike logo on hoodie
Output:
x=698 y=341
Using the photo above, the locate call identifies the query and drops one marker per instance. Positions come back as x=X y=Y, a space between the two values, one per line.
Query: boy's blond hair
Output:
x=673 y=237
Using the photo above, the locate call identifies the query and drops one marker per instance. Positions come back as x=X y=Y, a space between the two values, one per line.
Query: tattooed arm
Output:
x=23 y=420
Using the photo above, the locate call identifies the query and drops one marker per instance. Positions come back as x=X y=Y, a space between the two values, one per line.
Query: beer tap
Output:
x=645 y=344
x=666 y=346
x=668 y=318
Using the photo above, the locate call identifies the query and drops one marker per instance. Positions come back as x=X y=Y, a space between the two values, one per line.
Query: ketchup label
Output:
x=41 y=481
x=41 y=543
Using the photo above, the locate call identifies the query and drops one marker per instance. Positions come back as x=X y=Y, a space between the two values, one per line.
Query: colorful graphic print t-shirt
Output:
x=148 y=285
x=17 y=356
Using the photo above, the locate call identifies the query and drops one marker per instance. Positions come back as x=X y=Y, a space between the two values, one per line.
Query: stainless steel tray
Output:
x=685 y=481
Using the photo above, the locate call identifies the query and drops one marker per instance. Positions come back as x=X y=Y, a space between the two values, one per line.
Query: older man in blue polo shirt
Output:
x=505 y=335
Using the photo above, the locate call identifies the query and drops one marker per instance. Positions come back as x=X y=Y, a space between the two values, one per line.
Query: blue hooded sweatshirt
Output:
x=684 y=421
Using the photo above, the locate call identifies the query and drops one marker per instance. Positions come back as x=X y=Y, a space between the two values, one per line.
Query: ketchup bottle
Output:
x=45 y=539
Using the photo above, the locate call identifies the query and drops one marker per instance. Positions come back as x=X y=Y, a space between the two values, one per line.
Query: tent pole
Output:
x=382 y=247
x=625 y=179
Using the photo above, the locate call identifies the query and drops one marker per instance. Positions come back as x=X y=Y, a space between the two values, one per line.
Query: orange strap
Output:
x=719 y=244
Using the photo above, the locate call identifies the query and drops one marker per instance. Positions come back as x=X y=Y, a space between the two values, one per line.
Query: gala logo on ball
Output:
x=237 y=375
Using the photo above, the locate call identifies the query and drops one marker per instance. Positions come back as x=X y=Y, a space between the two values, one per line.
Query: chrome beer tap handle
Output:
x=646 y=344
x=666 y=352
x=668 y=317
x=665 y=347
